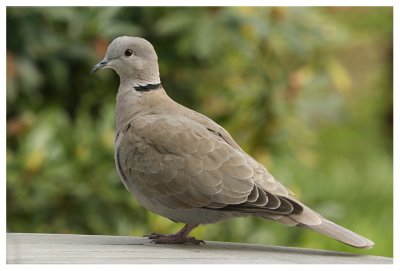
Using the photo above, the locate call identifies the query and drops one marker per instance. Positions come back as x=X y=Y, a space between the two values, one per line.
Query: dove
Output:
x=183 y=166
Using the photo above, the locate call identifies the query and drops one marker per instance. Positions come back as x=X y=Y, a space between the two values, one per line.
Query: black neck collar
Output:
x=148 y=87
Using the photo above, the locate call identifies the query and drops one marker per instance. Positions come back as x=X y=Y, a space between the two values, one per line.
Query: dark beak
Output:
x=100 y=65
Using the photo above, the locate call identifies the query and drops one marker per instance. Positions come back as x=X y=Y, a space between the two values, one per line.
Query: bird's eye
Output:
x=128 y=52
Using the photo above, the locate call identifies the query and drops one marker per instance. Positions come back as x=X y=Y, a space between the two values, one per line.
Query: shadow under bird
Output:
x=182 y=165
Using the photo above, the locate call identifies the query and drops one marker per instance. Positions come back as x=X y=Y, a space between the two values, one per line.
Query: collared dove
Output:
x=182 y=165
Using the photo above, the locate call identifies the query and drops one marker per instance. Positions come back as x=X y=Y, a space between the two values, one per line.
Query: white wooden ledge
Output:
x=66 y=248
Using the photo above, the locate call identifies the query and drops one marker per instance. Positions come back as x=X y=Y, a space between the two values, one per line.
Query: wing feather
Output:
x=183 y=164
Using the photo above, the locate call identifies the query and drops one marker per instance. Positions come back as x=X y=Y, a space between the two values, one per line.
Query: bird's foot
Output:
x=154 y=235
x=173 y=239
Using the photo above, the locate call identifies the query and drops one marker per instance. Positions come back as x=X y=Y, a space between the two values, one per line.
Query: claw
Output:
x=172 y=239
x=154 y=235
x=181 y=237
x=177 y=240
x=195 y=241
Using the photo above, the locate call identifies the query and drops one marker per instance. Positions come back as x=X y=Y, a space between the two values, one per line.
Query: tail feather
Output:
x=340 y=233
x=310 y=219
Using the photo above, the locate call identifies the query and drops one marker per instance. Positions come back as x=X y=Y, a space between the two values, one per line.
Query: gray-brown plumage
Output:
x=182 y=165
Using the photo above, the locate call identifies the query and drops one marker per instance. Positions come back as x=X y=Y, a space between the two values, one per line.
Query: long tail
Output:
x=309 y=219
x=341 y=234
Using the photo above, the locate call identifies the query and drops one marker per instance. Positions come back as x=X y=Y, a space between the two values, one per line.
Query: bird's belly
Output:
x=192 y=216
x=136 y=176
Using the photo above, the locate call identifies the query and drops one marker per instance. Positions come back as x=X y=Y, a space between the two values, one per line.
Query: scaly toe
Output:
x=173 y=239
x=154 y=235
x=195 y=241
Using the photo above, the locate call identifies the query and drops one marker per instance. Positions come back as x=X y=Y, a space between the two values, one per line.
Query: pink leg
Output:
x=180 y=237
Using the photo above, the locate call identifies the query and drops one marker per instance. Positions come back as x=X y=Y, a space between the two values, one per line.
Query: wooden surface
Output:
x=65 y=248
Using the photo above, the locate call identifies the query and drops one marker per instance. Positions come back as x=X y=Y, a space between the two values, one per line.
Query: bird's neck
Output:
x=134 y=100
x=146 y=76
x=147 y=87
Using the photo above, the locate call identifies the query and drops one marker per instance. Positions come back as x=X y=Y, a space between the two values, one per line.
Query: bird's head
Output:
x=133 y=59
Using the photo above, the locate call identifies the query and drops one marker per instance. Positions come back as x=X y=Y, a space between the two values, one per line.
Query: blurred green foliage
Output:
x=306 y=91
